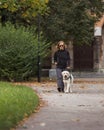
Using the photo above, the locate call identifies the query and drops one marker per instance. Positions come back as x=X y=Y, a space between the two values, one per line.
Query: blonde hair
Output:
x=58 y=44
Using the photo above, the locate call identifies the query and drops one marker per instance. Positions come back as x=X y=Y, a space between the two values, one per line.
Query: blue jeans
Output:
x=60 y=83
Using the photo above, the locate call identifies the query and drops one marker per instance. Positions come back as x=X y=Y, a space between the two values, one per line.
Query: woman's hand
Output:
x=68 y=67
x=55 y=63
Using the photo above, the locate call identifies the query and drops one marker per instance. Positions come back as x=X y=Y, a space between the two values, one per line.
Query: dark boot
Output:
x=59 y=89
x=62 y=90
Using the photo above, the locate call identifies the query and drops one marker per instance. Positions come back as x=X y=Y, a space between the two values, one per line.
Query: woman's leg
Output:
x=60 y=83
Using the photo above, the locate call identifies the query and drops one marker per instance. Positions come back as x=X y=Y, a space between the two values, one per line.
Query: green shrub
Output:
x=18 y=53
x=16 y=103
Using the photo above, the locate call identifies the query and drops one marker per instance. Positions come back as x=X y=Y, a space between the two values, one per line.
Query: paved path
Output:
x=81 y=110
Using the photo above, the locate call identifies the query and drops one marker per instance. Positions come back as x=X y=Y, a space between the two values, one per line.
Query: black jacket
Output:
x=62 y=57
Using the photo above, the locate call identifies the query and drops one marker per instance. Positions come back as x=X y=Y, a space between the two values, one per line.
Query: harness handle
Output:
x=70 y=70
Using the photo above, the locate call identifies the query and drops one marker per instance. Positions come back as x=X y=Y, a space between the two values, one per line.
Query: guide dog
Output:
x=68 y=81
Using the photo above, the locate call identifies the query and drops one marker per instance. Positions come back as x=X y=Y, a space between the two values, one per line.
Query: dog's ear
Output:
x=68 y=73
x=62 y=72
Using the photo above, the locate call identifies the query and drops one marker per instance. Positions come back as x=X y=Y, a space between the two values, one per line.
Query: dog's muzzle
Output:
x=67 y=77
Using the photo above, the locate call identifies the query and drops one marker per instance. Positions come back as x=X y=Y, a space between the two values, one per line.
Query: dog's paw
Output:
x=66 y=92
x=71 y=91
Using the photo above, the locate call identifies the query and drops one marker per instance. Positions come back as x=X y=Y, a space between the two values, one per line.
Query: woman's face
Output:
x=61 y=46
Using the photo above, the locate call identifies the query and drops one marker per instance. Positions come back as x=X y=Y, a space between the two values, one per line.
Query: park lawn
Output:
x=16 y=103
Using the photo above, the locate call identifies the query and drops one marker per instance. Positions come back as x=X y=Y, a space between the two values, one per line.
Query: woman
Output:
x=62 y=62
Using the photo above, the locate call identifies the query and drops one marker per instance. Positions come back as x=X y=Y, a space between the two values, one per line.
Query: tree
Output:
x=21 y=11
x=72 y=20
x=19 y=52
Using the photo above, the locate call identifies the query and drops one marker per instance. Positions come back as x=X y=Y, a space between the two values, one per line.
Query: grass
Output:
x=16 y=103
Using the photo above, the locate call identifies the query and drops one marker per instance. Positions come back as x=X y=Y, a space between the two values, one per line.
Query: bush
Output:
x=18 y=53
x=16 y=103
